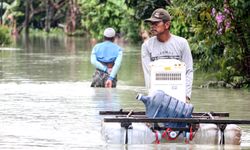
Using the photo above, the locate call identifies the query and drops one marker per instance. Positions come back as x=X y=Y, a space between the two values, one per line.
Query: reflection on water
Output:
x=59 y=113
x=46 y=101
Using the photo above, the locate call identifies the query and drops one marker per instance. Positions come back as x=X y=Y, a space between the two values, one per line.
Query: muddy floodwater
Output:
x=46 y=101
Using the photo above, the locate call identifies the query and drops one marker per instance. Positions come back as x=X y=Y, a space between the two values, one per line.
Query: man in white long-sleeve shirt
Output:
x=164 y=45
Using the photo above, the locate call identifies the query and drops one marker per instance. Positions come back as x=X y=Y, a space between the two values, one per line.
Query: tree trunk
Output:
x=71 y=17
x=26 y=22
x=1 y=12
x=47 y=18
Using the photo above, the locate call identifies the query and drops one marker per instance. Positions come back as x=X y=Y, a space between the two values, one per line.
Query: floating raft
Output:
x=133 y=127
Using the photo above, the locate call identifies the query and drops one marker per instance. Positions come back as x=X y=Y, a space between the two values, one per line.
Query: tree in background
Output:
x=71 y=17
x=97 y=15
x=41 y=14
x=10 y=15
x=126 y=16
x=219 y=35
x=142 y=10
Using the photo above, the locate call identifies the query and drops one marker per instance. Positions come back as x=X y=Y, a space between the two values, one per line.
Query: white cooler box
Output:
x=168 y=75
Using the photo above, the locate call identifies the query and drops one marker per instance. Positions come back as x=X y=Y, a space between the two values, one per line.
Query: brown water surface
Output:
x=46 y=101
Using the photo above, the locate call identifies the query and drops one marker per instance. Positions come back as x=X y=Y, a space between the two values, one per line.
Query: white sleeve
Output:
x=188 y=59
x=145 y=58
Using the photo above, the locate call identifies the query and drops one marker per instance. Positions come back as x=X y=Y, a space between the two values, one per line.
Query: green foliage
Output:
x=12 y=10
x=130 y=30
x=39 y=32
x=218 y=44
x=96 y=16
x=144 y=8
x=125 y=16
x=5 y=38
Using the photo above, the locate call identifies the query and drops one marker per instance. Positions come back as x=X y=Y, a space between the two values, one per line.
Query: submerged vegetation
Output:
x=218 y=31
x=5 y=37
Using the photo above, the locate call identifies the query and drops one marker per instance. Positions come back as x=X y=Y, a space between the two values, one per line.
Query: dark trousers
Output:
x=99 y=79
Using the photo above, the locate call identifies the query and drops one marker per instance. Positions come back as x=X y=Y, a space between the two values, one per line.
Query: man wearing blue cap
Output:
x=106 y=57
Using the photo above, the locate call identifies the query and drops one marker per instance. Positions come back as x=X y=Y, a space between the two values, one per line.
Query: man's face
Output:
x=159 y=27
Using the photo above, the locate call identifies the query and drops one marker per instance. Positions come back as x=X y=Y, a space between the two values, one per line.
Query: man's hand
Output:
x=108 y=84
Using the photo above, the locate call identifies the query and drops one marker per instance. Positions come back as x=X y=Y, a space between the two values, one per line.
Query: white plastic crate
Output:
x=169 y=75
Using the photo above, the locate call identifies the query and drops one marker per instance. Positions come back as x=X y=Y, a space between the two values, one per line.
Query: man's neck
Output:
x=164 y=36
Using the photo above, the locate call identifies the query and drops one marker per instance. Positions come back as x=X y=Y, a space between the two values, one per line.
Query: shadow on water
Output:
x=47 y=103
